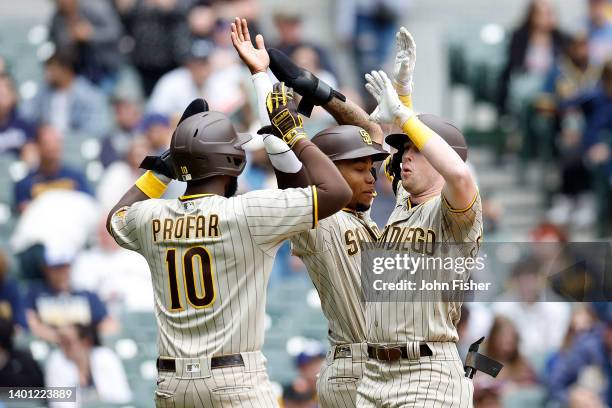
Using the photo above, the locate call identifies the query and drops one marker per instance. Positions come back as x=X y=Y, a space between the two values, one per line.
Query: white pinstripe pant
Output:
x=426 y=382
x=339 y=378
x=227 y=387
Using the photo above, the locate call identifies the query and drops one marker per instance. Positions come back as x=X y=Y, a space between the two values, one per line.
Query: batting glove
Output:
x=285 y=121
x=390 y=109
x=405 y=60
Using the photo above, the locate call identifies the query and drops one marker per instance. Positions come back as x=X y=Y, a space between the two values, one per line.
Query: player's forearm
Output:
x=349 y=113
x=332 y=190
x=292 y=180
x=460 y=188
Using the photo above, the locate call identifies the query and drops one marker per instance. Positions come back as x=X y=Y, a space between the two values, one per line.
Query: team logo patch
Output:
x=367 y=139
x=192 y=367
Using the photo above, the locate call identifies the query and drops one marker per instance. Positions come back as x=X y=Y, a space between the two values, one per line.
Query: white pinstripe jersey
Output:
x=332 y=255
x=210 y=259
x=433 y=220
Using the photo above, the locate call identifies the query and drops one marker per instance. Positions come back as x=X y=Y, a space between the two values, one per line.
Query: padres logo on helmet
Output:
x=367 y=139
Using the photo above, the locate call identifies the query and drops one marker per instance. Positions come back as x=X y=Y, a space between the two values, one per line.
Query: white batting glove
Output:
x=405 y=60
x=390 y=109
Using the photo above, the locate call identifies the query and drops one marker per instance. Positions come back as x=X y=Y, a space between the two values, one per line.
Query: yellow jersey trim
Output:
x=189 y=197
x=451 y=209
x=315 y=205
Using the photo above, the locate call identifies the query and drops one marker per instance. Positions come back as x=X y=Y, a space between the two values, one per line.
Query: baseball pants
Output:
x=340 y=375
x=417 y=382
x=195 y=384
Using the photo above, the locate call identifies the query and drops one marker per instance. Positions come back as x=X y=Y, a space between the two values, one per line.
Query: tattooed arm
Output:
x=349 y=113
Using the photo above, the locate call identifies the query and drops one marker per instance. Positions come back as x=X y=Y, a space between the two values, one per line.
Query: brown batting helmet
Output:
x=445 y=129
x=206 y=145
x=348 y=142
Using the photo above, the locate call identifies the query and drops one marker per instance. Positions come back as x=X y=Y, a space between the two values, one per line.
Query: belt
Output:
x=230 y=360
x=395 y=353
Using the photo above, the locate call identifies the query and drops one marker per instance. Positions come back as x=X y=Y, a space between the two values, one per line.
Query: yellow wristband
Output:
x=406 y=100
x=151 y=185
x=417 y=131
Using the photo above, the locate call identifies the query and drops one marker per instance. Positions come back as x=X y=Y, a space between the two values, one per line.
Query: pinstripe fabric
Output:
x=339 y=378
x=238 y=240
x=332 y=255
x=412 y=319
x=429 y=382
x=436 y=381
x=229 y=387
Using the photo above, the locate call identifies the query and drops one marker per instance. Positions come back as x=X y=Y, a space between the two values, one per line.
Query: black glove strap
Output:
x=474 y=361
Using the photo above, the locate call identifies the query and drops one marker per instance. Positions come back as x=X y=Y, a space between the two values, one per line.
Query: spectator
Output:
x=503 y=345
x=201 y=23
x=288 y=23
x=54 y=303
x=573 y=73
x=596 y=106
x=196 y=78
x=128 y=115
x=582 y=397
x=157 y=131
x=112 y=273
x=487 y=394
x=67 y=101
x=296 y=397
x=591 y=348
x=17 y=367
x=600 y=31
x=15 y=131
x=154 y=25
x=309 y=363
x=540 y=316
x=121 y=175
x=91 y=29
x=81 y=362
x=51 y=173
x=11 y=298
x=533 y=48
x=582 y=321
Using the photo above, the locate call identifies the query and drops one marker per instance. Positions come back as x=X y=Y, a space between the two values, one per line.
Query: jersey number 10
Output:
x=207 y=284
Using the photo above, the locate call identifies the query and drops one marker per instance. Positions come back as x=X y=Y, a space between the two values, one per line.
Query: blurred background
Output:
x=89 y=87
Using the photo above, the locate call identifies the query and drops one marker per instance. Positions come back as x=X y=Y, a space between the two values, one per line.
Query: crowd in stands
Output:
x=122 y=71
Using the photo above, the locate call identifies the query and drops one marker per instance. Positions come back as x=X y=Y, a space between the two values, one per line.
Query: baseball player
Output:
x=332 y=250
x=210 y=253
x=413 y=358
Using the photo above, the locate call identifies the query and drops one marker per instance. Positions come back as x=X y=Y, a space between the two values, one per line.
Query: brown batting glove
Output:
x=282 y=110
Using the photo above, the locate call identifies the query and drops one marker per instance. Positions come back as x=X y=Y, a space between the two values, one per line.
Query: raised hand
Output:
x=405 y=60
x=390 y=108
x=256 y=59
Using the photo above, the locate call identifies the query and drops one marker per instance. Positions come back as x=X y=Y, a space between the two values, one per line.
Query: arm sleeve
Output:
x=463 y=224
x=124 y=227
x=275 y=215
